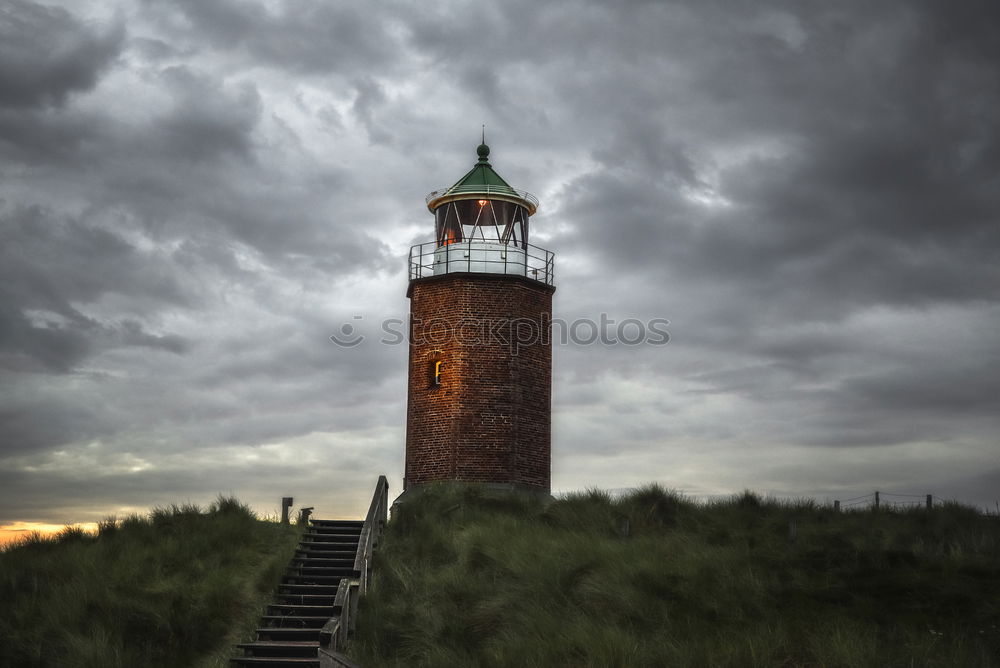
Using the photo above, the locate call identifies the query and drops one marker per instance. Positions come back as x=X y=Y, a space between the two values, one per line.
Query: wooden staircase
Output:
x=289 y=633
x=315 y=609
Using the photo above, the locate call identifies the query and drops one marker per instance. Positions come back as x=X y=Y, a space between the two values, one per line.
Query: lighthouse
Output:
x=480 y=358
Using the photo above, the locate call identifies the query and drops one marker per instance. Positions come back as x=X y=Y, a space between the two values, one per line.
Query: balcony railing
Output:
x=532 y=262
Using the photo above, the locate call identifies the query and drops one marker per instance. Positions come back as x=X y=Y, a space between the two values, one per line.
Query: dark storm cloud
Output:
x=37 y=416
x=43 y=138
x=206 y=122
x=370 y=96
x=196 y=195
x=47 y=264
x=306 y=38
x=867 y=183
x=964 y=389
x=50 y=261
x=46 y=54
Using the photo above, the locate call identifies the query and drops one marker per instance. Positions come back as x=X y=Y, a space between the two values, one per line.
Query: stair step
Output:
x=333 y=577
x=343 y=537
x=317 y=562
x=312 y=581
x=325 y=546
x=296 y=599
x=296 y=621
x=310 y=553
x=280 y=633
x=308 y=589
x=324 y=571
x=280 y=648
x=277 y=661
x=308 y=610
x=338 y=523
x=349 y=548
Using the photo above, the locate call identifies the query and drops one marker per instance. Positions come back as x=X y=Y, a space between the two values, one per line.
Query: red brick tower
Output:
x=480 y=376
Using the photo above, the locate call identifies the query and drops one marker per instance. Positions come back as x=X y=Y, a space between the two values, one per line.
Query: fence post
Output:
x=930 y=502
x=876 y=500
x=286 y=503
x=836 y=506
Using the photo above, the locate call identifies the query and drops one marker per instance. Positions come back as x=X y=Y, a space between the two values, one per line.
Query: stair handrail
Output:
x=371 y=532
x=333 y=635
x=334 y=632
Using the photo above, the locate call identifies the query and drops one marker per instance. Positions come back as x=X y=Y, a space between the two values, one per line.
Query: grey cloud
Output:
x=340 y=483
x=765 y=176
x=370 y=96
x=51 y=266
x=37 y=416
x=302 y=38
x=25 y=346
x=46 y=54
x=60 y=346
x=40 y=138
x=50 y=261
x=979 y=489
x=960 y=390
x=132 y=334
x=206 y=121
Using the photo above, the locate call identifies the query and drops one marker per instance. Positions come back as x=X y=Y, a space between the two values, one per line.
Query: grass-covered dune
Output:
x=652 y=579
x=175 y=588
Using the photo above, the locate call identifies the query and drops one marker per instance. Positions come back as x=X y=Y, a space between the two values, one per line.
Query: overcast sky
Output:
x=195 y=195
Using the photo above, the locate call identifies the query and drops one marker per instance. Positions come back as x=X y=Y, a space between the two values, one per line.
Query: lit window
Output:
x=437 y=370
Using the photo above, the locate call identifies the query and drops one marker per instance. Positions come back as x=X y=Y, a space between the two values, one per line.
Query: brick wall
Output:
x=489 y=419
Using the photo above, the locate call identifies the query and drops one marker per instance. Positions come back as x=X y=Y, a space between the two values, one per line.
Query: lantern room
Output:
x=481 y=226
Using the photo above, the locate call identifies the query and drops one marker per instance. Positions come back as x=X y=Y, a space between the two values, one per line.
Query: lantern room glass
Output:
x=481 y=219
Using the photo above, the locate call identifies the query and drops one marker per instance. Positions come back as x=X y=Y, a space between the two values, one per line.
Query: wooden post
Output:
x=793 y=531
x=876 y=500
x=836 y=506
x=286 y=503
x=930 y=502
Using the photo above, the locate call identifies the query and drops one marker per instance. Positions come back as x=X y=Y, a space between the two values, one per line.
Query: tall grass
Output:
x=175 y=588
x=653 y=579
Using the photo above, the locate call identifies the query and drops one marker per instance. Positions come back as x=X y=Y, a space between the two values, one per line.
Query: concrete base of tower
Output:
x=489 y=489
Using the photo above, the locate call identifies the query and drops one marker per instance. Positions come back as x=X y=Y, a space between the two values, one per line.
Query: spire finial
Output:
x=483 y=151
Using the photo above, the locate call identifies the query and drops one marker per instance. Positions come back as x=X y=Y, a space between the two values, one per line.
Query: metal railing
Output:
x=484 y=190
x=430 y=259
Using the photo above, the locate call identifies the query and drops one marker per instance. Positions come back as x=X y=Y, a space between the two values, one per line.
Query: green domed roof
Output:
x=482 y=180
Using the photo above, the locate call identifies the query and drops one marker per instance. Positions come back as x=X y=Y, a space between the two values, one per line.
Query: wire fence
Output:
x=878 y=500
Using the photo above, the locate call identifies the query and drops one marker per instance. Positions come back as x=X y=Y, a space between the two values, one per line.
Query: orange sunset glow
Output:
x=10 y=533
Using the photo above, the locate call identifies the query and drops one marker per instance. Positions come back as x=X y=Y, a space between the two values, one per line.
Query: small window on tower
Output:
x=437 y=369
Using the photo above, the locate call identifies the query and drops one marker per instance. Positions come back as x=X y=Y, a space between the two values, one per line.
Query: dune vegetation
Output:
x=653 y=579
x=175 y=588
